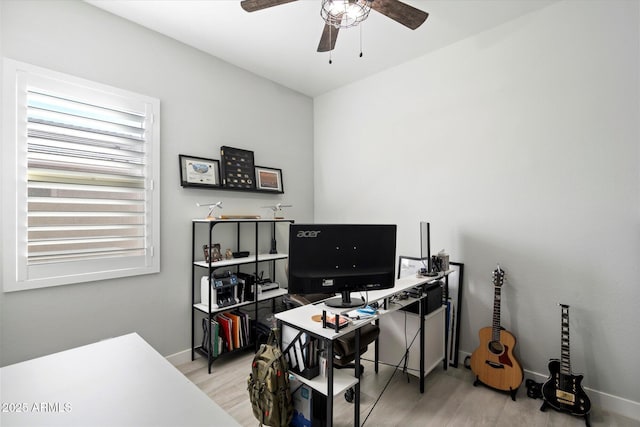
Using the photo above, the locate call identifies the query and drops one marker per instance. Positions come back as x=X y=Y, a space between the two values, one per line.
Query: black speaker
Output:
x=434 y=296
x=432 y=301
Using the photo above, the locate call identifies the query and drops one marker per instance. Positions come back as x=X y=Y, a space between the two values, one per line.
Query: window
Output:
x=80 y=180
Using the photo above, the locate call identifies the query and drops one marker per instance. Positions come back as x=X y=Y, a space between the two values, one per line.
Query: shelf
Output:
x=264 y=296
x=205 y=220
x=239 y=261
x=343 y=379
x=242 y=190
x=204 y=307
x=202 y=352
x=274 y=293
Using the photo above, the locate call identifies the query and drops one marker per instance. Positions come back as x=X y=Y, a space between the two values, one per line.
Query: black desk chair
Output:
x=344 y=348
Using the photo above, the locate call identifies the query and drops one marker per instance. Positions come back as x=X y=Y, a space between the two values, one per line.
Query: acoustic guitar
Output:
x=563 y=390
x=493 y=362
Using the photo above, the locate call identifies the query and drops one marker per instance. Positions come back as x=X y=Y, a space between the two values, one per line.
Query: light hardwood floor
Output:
x=450 y=399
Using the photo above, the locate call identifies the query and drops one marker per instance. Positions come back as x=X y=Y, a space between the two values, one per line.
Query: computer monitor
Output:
x=341 y=258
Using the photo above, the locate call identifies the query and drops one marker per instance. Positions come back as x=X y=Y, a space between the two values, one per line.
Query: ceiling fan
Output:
x=337 y=15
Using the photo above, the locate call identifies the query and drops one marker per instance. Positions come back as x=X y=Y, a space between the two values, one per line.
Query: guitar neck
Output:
x=497 y=296
x=565 y=359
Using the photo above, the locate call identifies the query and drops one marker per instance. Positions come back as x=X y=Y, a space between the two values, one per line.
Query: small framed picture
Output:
x=199 y=172
x=269 y=179
x=212 y=254
x=409 y=266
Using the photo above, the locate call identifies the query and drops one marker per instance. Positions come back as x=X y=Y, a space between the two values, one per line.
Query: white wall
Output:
x=521 y=147
x=205 y=103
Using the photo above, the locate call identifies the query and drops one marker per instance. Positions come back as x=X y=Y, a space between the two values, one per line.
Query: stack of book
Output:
x=234 y=329
x=229 y=331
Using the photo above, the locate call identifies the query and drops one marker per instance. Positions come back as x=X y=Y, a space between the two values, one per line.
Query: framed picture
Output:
x=410 y=266
x=212 y=254
x=269 y=179
x=199 y=172
x=237 y=168
x=454 y=301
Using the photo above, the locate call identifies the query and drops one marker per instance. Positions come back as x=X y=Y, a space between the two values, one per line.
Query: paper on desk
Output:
x=355 y=314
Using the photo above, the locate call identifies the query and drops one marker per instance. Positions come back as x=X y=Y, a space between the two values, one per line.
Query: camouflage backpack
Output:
x=268 y=385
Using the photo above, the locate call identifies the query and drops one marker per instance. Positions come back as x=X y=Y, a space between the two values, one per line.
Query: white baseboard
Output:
x=180 y=357
x=608 y=402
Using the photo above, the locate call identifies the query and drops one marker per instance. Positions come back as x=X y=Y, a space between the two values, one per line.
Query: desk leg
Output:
x=376 y=349
x=329 y=420
x=445 y=362
x=356 y=405
x=421 y=310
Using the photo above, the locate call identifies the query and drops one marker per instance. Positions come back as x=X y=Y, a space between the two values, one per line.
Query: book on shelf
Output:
x=235 y=329
x=244 y=327
x=226 y=326
x=211 y=337
x=215 y=334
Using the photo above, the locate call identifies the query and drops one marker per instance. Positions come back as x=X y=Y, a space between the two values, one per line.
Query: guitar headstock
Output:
x=498 y=277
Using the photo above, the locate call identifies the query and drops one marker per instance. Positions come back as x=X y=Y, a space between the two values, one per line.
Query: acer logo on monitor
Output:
x=308 y=233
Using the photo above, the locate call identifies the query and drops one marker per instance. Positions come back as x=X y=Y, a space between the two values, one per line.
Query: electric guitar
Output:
x=493 y=362
x=563 y=391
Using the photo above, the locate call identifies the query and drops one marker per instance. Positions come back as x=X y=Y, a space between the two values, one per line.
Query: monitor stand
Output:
x=344 y=301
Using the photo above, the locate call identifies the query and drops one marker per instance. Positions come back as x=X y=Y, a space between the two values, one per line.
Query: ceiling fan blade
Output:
x=400 y=12
x=253 y=5
x=328 y=38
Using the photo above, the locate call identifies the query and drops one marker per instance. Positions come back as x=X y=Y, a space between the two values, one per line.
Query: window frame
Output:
x=17 y=274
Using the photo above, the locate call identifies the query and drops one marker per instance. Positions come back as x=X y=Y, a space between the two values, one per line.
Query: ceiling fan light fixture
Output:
x=345 y=13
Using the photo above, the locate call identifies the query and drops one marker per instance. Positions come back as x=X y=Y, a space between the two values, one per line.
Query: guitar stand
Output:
x=511 y=391
x=587 y=418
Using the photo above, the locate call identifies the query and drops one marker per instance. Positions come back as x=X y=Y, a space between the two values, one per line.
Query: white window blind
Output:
x=85 y=180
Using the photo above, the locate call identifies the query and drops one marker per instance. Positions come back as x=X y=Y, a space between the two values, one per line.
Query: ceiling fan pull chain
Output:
x=330 y=47
x=361 y=25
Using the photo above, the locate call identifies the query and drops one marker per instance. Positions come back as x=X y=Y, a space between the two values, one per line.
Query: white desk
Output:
x=300 y=319
x=117 y=382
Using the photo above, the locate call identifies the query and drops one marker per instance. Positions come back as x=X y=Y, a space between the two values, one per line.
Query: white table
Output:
x=117 y=382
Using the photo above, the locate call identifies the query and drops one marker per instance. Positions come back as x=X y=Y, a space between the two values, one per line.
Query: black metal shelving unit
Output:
x=255 y=259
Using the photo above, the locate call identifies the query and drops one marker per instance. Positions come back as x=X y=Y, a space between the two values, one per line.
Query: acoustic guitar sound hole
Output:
x=496 y=347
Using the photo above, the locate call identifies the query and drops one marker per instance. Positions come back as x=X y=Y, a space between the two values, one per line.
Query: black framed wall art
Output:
x=237 y=168
x=199 y=172
x=269 y=179
x=454 y=309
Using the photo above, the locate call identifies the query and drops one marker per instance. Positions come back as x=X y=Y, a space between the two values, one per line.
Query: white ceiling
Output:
x=280 y=43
